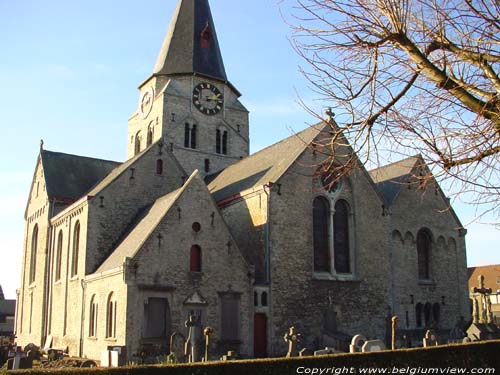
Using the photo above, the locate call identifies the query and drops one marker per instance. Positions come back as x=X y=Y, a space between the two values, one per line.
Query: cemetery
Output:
x=476 y=346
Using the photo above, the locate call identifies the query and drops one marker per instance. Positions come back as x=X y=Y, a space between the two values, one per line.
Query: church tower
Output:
x=188 y=101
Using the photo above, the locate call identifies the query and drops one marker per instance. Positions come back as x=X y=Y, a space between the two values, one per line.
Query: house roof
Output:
x=392 y=178
x=144 y=225
x=191 y=44
x=265 y=166
x=69 y=177
x=8 y=307
x=491 y=275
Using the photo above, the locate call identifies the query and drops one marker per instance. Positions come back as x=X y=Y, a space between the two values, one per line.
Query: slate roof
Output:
x=145 y=224
x=491 y=276
x=191 y=44
x=8 y=307
x=265 y=166
x=69 y=177
x=392 y=178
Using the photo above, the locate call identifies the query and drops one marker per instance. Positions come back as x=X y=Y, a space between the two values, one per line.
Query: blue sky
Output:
x=69 y=72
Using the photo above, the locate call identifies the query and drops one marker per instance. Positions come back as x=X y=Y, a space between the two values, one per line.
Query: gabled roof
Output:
x=191 y=44
x=392 y=178
x=265 y=166
x=145 y=224
x=69 y=177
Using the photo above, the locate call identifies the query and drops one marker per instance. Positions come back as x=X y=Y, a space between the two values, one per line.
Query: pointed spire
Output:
x=2 y=297
x=191 y=45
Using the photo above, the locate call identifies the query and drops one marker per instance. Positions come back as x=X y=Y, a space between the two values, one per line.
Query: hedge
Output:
x=468 y=356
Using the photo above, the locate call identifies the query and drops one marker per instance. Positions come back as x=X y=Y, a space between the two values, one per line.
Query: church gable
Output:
x=119 y=199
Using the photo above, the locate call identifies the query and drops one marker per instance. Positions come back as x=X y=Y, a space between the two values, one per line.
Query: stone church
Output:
x=120 y=253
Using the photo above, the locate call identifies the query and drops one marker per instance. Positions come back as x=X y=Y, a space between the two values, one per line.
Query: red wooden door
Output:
x=260 y=335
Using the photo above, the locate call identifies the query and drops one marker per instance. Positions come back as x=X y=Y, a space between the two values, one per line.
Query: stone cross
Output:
x=292 y=338
x=191 y=347
x=207 y=332
x=485 y=315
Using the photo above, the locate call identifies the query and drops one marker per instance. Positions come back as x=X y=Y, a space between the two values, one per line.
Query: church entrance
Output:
x=260 y=335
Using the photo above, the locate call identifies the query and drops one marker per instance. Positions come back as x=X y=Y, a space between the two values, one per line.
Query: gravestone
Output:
x=292 y=338
x=430 y=338
x=177 y=342
x=230 y=356
x=325 y=351
x=357 y=343
x=373 y=346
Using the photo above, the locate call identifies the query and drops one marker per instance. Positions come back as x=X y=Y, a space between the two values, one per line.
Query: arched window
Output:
x=418 y=314
x=111 y=316
x=149 y=140
x=221 y=141
x=321 y=214
x=424 y=244
x=59 y=255
x=341 y=237
x=427 y=314
x=137 y=146
x=34 y=248
x=255 y=299
x=190 y=135
x=195 y=259
x=93 y=317
x=76 y=248
x=436 y=312
x=159 y=166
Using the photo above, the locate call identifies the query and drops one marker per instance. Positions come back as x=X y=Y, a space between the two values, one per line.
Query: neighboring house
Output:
x=491 y=281
x=118 y=254
x=7 y=316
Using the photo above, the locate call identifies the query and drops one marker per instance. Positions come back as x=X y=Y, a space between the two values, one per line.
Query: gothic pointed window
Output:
x=321 y=215
x=58 y=260
x=111 y=317
x=424 y=244
x=34 y=248
x=195 y=259
x=341 y=237
x=76 y=248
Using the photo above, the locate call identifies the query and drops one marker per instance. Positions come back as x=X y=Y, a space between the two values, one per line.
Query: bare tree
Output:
x=411 y=76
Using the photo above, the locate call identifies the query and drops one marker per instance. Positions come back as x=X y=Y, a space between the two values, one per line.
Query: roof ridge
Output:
x=394 y=163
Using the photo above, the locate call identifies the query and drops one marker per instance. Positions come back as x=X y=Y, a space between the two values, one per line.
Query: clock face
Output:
x=207 y=98
x=146 y=102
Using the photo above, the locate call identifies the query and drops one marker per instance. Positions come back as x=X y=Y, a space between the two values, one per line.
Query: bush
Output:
x=474 y=355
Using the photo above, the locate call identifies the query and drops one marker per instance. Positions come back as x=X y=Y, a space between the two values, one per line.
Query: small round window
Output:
x=196 y=226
